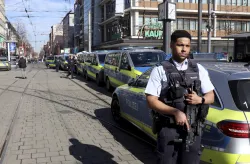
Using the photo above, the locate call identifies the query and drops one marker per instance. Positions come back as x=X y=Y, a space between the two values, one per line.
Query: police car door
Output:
x=125 y=69
x=145 y=111
x=135 y=101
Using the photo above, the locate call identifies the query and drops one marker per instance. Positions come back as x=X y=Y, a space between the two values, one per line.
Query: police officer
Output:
x=170 y=152
x=57 y=63
x=71 y=65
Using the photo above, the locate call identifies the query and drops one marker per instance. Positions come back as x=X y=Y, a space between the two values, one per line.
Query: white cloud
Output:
x=42 y=21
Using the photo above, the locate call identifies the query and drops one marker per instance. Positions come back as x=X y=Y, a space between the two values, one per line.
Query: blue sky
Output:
x=42 y=21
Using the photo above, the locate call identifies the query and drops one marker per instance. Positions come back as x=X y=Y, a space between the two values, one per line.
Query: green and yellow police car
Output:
x=226 y=137
x=4 y=64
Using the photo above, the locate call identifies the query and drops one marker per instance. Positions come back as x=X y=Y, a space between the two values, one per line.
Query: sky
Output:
x=43 y=14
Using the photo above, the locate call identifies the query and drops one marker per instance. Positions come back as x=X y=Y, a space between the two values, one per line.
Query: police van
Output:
x=63 y=61
x=4 y=64
x=50 y=61
x=225 y=137
x=120 y=66
x=79 y=62
x=94 y=62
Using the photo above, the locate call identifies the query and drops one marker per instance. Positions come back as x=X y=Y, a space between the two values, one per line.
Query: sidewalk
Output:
x=48 y=130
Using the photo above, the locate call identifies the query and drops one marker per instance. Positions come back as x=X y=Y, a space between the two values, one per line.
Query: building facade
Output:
x=56 y=39
x=3 y=26
x=12 y=36
x=135 y=23
x=68 y=31
x=77 y=25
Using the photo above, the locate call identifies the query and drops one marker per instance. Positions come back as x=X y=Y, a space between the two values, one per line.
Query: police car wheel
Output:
x=115 y=110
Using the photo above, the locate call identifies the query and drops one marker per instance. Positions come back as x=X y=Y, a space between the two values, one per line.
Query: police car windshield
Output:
x=50 y=58
x=240 y=93
x=146 y=59
x=101 y=57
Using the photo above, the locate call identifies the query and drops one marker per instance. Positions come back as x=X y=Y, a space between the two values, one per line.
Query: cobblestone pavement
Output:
x=48 y=129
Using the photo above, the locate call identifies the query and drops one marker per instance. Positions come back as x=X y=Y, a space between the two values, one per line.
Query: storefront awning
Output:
x=239 y=35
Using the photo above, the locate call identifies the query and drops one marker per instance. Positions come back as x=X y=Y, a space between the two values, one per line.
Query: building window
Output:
x=179 y=24
x=222 y=2
x=239 y=2
x=186 y=24
x=140 y=20
x=192 y=24
x=110 y=9
x=244 y=26
x=229 y=2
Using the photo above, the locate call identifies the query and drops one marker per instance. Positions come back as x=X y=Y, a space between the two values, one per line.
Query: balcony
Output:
x=225 y=8
x=219 y=33
x=145 y=4
x=190 y=6
x=228 y=8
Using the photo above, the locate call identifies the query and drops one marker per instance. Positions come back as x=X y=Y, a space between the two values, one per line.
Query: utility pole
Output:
x=199 y=25
x=90 y=31
x=166 y=35
x=166 y=14
x=209 y=27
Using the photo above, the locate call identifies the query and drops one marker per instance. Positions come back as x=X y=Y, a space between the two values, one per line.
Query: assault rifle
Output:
x=195 y=114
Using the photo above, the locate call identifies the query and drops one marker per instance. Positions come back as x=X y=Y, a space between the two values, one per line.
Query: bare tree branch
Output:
x=21 y=30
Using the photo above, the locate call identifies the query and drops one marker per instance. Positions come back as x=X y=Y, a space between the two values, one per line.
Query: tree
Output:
x=21 y=31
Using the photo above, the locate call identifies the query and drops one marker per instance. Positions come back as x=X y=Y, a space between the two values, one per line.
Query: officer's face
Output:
x=181 y=48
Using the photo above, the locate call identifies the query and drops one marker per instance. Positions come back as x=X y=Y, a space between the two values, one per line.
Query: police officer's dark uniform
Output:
x=57 y=64
x=173 y=83
x=71 y=65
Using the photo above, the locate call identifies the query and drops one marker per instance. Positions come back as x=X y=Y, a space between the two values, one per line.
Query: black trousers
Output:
x=70 y=72
x=170 y=152
x=57 y=67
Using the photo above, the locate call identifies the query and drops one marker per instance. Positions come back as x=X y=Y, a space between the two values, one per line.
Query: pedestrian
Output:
x=57 y=63
x=22 y=65
x=161 y=95
x=71 y=65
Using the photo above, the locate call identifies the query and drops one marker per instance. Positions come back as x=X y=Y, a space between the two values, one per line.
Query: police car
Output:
x=4 y=64
x=122 y=65
x=50 y=61
x=226 y=132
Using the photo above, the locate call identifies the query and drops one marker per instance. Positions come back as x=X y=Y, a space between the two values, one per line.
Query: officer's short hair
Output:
x=180 y=34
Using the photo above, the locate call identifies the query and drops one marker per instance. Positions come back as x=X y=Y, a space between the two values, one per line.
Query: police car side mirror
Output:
x=129 y=67
x=131 y=81
x=96 y=64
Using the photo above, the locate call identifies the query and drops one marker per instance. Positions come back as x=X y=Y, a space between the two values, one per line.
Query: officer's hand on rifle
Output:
x=181 y=119
x=193 y=98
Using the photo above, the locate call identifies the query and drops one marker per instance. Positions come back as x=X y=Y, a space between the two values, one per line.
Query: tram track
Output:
x=3 y=147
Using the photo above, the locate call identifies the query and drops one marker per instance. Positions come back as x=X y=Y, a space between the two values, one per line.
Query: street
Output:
x=54 y=120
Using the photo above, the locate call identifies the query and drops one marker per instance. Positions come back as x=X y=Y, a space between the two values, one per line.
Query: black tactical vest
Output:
x=178 y=82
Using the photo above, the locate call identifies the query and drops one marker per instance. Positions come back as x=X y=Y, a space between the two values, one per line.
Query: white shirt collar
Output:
x=181 y=66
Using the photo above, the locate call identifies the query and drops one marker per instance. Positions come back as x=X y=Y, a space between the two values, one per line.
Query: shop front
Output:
x=241 y=46
x=135 y=32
